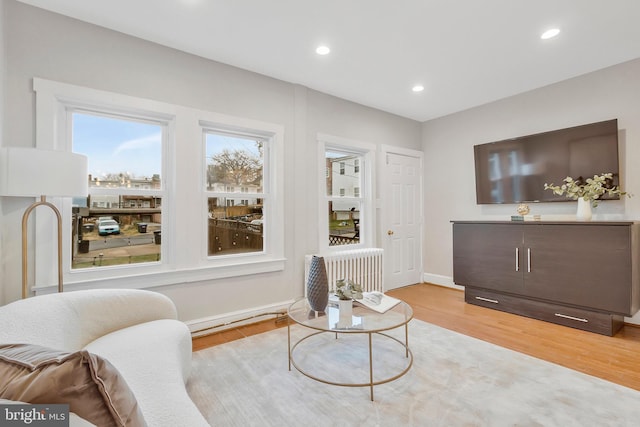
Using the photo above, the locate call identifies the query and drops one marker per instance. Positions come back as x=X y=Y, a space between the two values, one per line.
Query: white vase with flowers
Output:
x=588 y=192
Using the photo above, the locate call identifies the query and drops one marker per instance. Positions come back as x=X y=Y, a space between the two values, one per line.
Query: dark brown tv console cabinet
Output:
x=579 y=274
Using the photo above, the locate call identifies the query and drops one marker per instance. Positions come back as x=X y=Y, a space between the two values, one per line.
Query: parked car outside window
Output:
x=108 y=227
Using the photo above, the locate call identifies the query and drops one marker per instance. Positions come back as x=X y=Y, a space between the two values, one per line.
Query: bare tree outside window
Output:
x=236 y=167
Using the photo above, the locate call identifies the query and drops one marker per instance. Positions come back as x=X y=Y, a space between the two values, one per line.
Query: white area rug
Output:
x=455 y=380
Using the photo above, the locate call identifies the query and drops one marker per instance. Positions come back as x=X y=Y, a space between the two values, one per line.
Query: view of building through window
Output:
x=120 y=221
x=235 y=193
x=343 y=184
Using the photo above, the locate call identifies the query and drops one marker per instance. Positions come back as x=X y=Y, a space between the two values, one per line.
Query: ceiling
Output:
x=464 y=52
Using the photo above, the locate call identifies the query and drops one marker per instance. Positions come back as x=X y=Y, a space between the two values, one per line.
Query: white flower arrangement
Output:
x=347 y=289
x=590 y=189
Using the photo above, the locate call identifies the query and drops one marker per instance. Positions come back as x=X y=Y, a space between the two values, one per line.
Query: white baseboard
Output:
x=234 y=319
x=440 y=280
x=635 y=320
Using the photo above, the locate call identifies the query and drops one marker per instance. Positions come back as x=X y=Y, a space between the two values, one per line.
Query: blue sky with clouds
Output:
x=118 y=146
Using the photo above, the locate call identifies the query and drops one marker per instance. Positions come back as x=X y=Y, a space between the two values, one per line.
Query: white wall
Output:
x=3 y=205
x=2 y=102
x=2 y=70
x=448 y=145
x=50 y=46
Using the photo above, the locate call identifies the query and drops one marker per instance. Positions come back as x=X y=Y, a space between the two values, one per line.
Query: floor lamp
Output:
x=30 y=172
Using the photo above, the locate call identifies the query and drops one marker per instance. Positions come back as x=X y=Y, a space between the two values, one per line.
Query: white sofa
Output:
x=135 y=330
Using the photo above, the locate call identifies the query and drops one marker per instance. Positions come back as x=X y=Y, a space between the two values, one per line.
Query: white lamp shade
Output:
x=30 y=172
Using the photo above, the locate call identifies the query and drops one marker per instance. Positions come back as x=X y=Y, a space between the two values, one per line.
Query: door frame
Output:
x=384 y=200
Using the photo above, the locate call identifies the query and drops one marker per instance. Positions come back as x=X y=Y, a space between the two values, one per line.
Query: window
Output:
x=344 y=210
x=143 y=184
x=347 y=190
x=122 y=221
x=235 y=222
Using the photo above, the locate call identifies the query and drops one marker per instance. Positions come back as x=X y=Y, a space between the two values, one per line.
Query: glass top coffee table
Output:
x=360 y=321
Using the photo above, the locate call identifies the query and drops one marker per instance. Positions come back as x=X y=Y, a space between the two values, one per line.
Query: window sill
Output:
x=170 y=277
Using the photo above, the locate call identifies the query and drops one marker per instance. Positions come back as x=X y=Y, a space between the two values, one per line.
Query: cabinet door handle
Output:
x=517 y=259
x=488 y=300
x=577 y=319
x=528 y=260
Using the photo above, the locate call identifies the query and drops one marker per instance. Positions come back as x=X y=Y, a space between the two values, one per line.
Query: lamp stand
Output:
x=25 y=218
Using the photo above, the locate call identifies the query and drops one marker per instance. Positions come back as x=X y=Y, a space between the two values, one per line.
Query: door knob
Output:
x=390 y=232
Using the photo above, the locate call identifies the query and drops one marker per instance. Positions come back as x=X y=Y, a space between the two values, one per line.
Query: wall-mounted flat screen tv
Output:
x=515 y=170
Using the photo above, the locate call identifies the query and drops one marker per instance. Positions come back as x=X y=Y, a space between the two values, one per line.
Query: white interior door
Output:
x=401 y=206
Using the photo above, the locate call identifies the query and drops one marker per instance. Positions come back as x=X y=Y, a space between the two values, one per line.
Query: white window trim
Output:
x=367 y=190
x=160 y=118
x=273 y=210
x=181 y=261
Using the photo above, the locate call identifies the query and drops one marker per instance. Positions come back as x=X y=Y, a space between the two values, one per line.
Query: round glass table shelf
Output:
x=357 y=319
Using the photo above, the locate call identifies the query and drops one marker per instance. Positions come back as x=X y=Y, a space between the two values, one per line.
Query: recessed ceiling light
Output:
x=550 y=33
x=417 y=88
x=322 y=50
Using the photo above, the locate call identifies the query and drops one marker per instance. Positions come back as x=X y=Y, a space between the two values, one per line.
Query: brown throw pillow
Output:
x=90 y=385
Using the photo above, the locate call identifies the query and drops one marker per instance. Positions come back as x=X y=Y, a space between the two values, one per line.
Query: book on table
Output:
x=377 y=301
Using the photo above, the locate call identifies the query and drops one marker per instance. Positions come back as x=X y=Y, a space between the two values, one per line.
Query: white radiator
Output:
x=363 y=266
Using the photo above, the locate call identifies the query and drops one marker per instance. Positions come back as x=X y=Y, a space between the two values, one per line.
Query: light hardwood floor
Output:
x=616 y=359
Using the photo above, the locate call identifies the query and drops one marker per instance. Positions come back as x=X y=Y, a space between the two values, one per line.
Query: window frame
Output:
x=166 y=123
x=367 y=190
x=271 y=210
x=181 y=261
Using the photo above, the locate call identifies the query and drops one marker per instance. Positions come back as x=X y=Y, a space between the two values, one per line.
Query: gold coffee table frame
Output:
x=370 y=322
